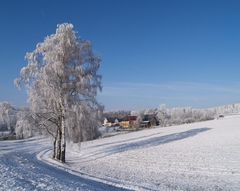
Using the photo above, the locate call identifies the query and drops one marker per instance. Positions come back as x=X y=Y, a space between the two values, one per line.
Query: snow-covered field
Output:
x=195 y=157
x=199 y=156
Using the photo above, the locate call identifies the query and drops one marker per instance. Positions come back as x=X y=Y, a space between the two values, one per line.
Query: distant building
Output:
x=128 y=121
x=110 y=122
x=149 y=121
x=107 y=123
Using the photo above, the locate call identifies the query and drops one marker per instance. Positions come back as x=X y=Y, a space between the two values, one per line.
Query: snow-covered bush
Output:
x=8 y=117
x=23 y=129
x=25 y=126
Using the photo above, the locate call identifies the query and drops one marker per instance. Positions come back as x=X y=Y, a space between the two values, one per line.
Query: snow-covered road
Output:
x=21 y=170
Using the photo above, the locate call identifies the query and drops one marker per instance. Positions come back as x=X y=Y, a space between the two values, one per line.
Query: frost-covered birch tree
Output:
x=62 y=81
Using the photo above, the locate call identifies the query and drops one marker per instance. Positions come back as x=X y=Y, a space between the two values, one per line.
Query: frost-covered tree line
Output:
x=227 y=109
x=180 y=115
x=21 y=120
x=62 y=81
x=116 y=114
x=168 y=116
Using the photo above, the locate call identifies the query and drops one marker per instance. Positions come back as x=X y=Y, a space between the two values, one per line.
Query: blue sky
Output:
x=177 y=52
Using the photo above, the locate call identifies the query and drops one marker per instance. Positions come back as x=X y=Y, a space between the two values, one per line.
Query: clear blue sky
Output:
x=177 y=52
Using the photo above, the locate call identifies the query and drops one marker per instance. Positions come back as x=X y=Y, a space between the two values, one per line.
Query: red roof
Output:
x=132 y=118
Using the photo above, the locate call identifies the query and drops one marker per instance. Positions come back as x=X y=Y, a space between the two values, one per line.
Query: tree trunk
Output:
x=58 y=145
x=63 y=140
x=55 y=147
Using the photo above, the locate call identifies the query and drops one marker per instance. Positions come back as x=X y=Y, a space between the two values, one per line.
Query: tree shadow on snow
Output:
x=123 y=141
x=147 y=143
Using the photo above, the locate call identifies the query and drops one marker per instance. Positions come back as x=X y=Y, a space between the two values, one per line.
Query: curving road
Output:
x=21 y=170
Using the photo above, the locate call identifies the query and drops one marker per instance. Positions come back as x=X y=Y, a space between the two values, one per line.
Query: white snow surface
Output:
x=195 y=157
x=21 y=171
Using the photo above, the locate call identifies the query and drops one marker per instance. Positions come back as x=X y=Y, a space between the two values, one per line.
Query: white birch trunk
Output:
x=63 y=137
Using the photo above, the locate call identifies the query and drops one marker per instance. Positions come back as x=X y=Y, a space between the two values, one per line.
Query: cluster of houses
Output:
x=131 y=121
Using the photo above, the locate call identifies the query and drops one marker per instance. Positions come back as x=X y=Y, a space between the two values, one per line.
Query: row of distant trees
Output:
x=174 y=116
x=25 y=124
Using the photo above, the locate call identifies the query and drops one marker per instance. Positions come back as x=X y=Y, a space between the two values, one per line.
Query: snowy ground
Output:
x=194 y=157
x=21 y=170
